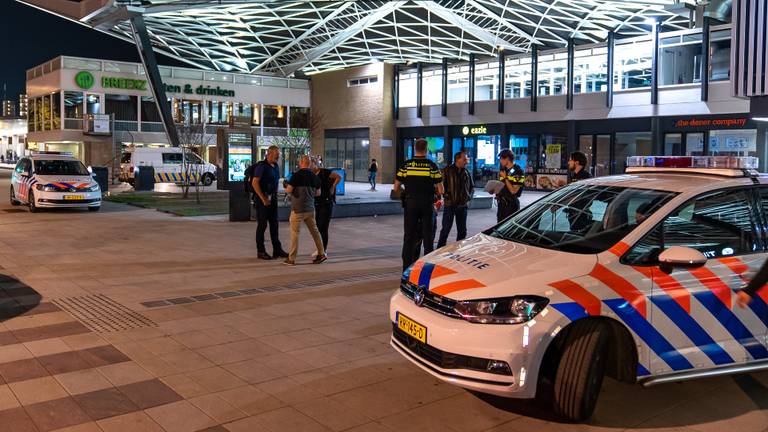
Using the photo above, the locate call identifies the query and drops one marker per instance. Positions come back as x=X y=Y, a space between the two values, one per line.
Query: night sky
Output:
x=29 y=37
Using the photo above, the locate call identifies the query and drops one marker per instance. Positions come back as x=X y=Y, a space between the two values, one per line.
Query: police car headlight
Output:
x=93 y=188
x=47 y=188
x=510 y=310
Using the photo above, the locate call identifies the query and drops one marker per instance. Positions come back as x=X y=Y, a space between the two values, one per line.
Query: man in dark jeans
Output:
x=372 y=170
x=324 y=202
x=459 y=190
x=265 y=178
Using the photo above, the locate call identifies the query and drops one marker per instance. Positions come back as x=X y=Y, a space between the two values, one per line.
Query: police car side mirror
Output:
x=680 y=257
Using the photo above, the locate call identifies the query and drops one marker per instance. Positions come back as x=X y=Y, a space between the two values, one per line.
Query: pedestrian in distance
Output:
x=327 y=198
x=373 y=169
x=303 y=187
x=266 y=175
x=513 y=178
x=577 y=166
x=419 y=179
x=459 y=191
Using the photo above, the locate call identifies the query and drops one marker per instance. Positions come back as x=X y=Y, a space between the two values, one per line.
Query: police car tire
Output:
x=207 y=179
x=580 y=371
x=94 y=209
x=14 y=201
x=32 y=207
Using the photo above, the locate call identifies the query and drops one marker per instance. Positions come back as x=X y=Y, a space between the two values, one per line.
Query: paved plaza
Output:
x=134 y=320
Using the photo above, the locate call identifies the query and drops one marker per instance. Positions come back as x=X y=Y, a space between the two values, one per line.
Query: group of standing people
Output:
x=312 y=191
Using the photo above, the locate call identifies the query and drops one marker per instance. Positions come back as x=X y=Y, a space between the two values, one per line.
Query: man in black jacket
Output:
x=459 y=190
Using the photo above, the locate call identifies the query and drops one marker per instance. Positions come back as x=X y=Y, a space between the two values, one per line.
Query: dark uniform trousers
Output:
x=419 y=227
x=267 y=215
x=506 y=207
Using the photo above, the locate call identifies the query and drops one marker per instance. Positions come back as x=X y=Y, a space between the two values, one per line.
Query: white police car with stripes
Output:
x=631 y=276
x=53 y=180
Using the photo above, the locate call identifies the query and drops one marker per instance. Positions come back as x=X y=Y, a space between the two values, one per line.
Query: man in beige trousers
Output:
x=303 y=187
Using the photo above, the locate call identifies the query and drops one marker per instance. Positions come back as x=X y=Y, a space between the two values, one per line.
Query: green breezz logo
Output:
x=84 y=80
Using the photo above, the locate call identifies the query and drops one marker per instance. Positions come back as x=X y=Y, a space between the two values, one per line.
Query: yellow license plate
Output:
x=73 y=197
x=414 y=329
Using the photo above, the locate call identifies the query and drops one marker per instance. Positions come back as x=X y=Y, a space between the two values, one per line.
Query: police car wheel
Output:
x=207 y=180
x=94 y=209
x=580 y=371
x=32 y=207
x=14 y=201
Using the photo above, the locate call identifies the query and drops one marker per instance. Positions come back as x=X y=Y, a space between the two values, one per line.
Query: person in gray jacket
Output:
x=459 y=190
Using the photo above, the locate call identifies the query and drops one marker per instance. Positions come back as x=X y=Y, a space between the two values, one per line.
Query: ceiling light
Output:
x=760 y=119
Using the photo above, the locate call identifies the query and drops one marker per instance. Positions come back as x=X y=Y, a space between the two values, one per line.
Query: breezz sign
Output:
x=123 y=83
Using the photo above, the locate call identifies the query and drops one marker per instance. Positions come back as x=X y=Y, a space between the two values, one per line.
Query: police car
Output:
x=53 y=180
x=631 y=276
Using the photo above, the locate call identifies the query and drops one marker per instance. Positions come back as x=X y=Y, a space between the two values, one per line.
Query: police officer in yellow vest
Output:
x=513 y=177
x=421 y=179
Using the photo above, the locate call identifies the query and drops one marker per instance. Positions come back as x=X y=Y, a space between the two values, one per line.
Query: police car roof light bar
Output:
x=60 y=153
x=727 y=166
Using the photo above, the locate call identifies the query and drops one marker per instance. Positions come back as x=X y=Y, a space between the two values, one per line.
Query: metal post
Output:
x=502 y=71
x=396 y=92
x=569 y=78
x=472 y=84
x=149 y=62
x=534 y=76
x=705 y=60
x=444 y=87
x=610 y=53
x=419 y=88
x=655 y=65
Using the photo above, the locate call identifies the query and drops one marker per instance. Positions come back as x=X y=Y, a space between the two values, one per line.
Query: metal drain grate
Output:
x=102 y=314
x=324 y=283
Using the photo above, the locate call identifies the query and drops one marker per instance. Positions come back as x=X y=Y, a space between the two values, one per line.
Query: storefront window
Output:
x=553 y=152
x=694 y=144
x=275 y=116
x=93 y=104
x=149 y=111
x=486 y=81
x=733 y=142
x=631 y=144
x=432 y=83
x=300 y=118
x=720 y=52
x=73 y=105
x=56 y=110
x=407 y=94
x=487 y=160
x=458 y=83
x=673 y=144
x=680 y=64
x=45 y=111
x=123 y=107
x=330 y=159
x=552 y=74
x=523 y=146
x=32 y=115
x=517 y=78
x=633 y=65
x=590 y=70
x=436 y=151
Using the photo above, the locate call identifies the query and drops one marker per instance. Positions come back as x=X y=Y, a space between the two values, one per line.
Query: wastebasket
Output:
x=101 y=175
x=145 y=179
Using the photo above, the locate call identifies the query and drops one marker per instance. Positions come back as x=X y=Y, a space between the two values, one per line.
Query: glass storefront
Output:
x=733 y=142
x=348 y=149
x=631 y=144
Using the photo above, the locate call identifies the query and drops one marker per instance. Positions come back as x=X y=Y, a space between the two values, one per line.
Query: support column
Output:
x=419 y=88
x=611 y=56
x=396 y=92
x=705 y=60
x=472 y=84
x=655 y=65
x=569 y=76
x=534 y=76
x=444 y=88
x=148 y=60
x=502 y=69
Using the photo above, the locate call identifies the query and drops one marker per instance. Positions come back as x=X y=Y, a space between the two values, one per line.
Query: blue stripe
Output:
x=760 y=309
x=649 y=334
x=426 y=274
x=642 y=371
x=732 y=323
x=573 y=311
x=692 y=329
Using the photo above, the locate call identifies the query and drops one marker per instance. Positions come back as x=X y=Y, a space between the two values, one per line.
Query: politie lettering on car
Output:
x=631 y=276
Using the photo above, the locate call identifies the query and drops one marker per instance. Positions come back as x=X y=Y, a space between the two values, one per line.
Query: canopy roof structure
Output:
x=284 y=37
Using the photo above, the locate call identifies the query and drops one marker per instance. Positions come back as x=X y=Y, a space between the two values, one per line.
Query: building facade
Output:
x=95 y=108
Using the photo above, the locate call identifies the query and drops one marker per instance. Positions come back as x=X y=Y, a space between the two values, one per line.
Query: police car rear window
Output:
x=60 y=167
x=584 y=219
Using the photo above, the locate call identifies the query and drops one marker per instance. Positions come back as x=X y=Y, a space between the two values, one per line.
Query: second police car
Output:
x=53 y=180
x=631 y=276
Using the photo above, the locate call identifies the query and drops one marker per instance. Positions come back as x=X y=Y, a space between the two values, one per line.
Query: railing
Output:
x=130 y=126
x=152 y=127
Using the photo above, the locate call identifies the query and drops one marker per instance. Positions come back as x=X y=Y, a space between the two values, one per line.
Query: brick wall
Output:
x=369 y=106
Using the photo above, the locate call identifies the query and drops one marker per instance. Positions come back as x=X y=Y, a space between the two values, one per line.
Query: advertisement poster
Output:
x=239 y=160
x=550 y=181
x=554 y=156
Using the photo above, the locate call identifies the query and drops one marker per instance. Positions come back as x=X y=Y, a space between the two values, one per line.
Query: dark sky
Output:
x=29 y=37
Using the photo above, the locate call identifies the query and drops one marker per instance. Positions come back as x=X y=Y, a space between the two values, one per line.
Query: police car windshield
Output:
x=60 y=167
x=584 y=219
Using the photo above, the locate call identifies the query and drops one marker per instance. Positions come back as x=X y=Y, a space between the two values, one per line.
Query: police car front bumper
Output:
x=67 y=199
x=462 y=353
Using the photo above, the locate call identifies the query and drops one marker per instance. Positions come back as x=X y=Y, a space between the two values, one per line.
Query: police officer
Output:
x=577 y=165
x=513 y=177
x=421 y=179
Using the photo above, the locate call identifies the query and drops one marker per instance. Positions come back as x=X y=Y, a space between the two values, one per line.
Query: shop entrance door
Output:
x=598 y=150
x=468 y=145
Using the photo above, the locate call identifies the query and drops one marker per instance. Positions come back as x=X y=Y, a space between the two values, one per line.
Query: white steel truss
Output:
x=283 y=37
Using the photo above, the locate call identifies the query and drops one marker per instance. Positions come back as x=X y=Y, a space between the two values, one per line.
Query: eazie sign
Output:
x=85 y=80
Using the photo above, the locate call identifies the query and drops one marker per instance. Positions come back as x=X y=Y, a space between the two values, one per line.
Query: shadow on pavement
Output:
x=16 y=298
